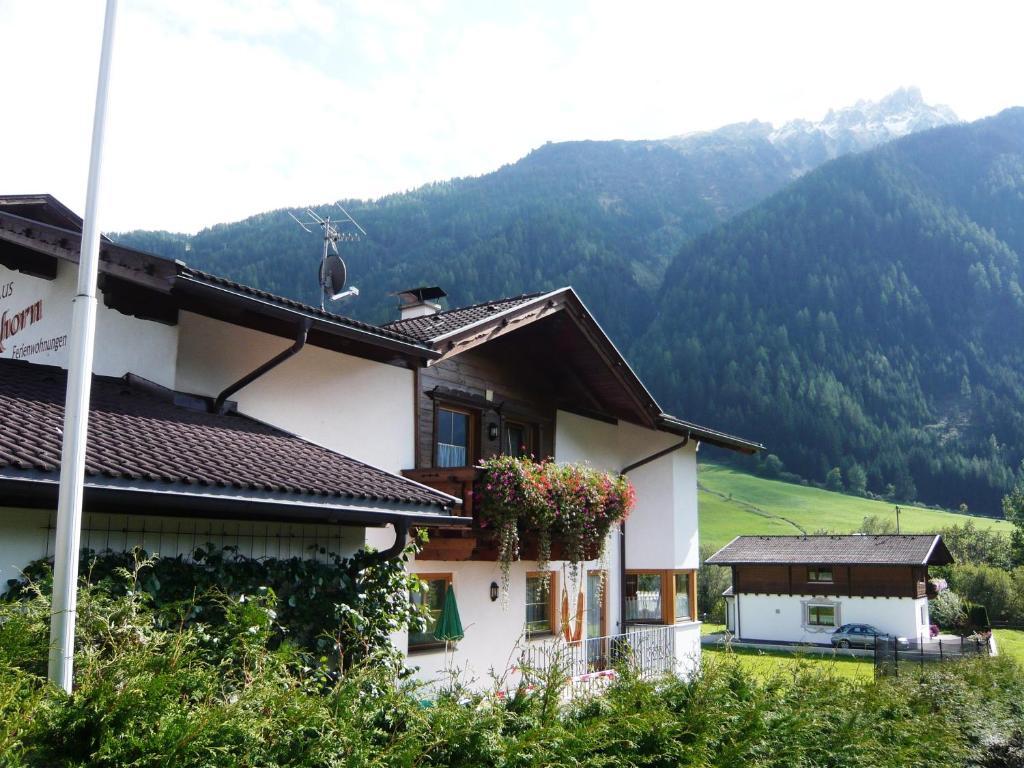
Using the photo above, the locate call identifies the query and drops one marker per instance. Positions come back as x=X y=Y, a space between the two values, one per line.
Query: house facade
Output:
x=364 y=432
x=800 y=589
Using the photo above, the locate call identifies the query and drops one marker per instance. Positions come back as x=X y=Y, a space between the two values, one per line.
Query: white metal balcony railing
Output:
x=648 y=651
x=449 y=455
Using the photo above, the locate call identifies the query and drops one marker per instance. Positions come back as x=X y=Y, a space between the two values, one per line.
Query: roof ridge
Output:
x=478 y=305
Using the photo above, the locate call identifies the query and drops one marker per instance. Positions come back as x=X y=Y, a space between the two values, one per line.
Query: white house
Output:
x=223 y=413
x=800 y=589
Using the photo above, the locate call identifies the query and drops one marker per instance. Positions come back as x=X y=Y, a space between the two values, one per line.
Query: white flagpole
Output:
x=76 y=408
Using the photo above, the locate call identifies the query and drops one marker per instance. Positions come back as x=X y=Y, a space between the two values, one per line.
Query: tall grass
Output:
x=148 y=695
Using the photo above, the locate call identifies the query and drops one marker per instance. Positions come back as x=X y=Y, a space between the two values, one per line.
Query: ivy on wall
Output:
x=342 y=609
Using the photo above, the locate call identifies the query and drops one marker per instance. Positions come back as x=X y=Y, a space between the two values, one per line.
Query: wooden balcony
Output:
x=472 y=542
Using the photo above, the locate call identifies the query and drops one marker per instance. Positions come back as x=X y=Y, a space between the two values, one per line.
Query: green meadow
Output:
x=734 y=503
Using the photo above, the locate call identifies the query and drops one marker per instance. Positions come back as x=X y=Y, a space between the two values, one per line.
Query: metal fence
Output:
x=891 y=656
x=645 y=651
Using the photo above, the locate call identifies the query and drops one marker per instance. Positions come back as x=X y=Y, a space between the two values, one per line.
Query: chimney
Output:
x=419 y=302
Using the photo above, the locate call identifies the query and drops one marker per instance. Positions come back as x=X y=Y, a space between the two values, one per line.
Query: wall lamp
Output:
x=492 y=431
x=494 y=591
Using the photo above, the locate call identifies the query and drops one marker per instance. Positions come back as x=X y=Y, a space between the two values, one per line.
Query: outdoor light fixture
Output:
x=492 y=431
x=494 y=591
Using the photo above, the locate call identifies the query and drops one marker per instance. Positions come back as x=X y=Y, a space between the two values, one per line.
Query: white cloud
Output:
x=220 y=109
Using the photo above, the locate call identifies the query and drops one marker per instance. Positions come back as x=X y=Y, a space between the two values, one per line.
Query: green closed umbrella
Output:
x=449 y=625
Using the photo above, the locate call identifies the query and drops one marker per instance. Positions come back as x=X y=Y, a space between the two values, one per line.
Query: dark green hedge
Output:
x=148 y=694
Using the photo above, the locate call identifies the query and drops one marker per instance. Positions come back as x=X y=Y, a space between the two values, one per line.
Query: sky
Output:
x=220 y=109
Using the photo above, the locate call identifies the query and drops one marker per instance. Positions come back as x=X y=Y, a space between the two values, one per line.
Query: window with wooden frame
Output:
x=597 y=604
x=433 y=598
x=541 y=613
x=454 y=431
x=817 y=574
x=660 y=597
x=685 y=602
x=517 y=439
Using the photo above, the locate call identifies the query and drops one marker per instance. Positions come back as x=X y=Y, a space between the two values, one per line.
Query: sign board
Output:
x=34 y=321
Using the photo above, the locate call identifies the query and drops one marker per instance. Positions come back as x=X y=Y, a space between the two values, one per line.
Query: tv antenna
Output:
x=333 y=272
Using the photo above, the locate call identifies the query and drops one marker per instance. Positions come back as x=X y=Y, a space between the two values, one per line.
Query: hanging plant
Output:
x=571 y=504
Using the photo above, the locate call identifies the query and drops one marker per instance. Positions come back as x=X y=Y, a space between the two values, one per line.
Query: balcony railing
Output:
x=646 y=651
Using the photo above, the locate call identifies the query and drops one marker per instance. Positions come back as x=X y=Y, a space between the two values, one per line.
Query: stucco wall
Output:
x=494 y=633
x=28 y=534
x=360 y=408
x=780 y=617
x=123 y=343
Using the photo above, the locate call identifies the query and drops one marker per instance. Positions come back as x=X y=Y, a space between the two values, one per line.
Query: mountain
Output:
x=606 y=216
x=869 y=317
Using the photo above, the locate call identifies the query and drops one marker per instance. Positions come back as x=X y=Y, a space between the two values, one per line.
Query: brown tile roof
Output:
x=388 y=332
x=907 y=549
x=430 y=327
x=138 y=434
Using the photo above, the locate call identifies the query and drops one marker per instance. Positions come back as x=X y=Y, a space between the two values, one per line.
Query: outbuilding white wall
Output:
x=781 y=617
x=357 y=407
x=123 y=343
x=28 y=534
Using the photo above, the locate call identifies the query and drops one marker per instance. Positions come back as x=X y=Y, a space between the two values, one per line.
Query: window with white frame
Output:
x=820 y=615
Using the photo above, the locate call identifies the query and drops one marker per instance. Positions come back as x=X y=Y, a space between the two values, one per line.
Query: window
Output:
x=819 y=575
x=452 y=438
x=643 y=597
x=596 y=624
x=683 y=608
x=821 y=615
x=437 y=588
x=540 y=604
x=516 y=440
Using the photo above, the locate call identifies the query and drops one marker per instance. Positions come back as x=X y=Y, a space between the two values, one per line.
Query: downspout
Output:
x=300 y=341
x=622 y=526
x=401 y=538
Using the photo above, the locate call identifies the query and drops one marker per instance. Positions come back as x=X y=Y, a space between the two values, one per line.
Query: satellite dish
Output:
x=333 y=274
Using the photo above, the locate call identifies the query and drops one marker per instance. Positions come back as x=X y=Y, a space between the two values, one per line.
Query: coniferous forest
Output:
x=864 y=319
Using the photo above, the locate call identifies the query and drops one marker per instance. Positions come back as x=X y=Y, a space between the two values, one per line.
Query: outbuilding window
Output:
x=821 y=615
x=819 y=574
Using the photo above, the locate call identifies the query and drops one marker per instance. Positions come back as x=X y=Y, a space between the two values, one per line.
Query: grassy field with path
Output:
x=734 y=503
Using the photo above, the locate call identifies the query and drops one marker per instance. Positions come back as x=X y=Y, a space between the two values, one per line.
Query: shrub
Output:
x=977 y=618
x=948 y=610
x=984 y=584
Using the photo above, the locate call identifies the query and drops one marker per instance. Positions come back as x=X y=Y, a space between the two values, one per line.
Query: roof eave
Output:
x=112 y=496
x=669 y=423
x=204 y=289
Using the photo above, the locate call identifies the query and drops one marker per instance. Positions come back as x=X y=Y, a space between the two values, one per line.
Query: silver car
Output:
x=861 y=636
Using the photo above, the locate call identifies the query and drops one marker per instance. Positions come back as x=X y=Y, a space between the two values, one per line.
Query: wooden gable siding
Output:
x=849 y=580
x=463 y=381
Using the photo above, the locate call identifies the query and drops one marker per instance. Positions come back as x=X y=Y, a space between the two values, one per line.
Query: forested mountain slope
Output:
x=606 y=217
x=869 y=317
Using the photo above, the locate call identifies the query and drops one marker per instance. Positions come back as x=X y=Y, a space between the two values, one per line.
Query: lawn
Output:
x=1011 y=643
x=766 y=664
x=734 y=503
